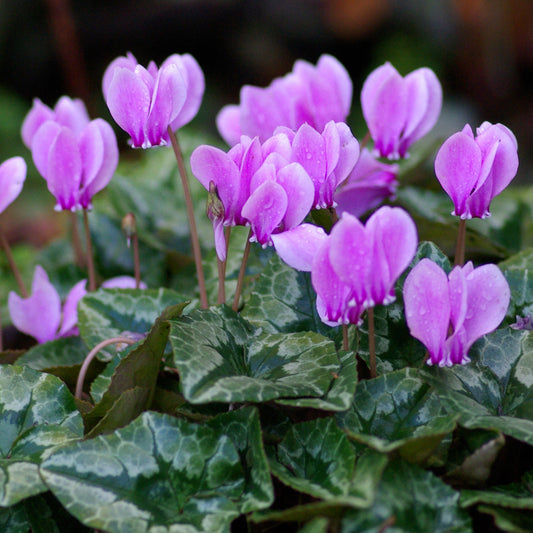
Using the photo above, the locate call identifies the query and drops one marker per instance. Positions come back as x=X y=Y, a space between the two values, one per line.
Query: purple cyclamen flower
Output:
x=473 y=170
x=75 y=156
x=145 y=101
x=400 y=110
x=357 y=266
x=68 y=112
x=12 y=176
x=448 y=313
x=273 y=186
x=309 y=94
x=327 y=157
x=41 y=315
x=369 y=183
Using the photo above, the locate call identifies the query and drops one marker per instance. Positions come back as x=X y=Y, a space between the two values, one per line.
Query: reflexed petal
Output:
x=128 y=99
x=331 y=292
x=329 y=68
x=457 y=168
x=12 y=176
x=350 y=254
x=228 y=123
x=72 y=114
x=417 y=127
x=458 y=295
x=36 y=117
x=99 y=135
x=195 y=90
x=41 y=143
x=488 y=300
x=384 y=100
x=220 y=238
x=168 y=97
x=63 y=174
x=122 y=282
x=70 y=308
x=129 y=62
x=39 y=314
x=300 y=193
x=308 y=149
x=427 y=307
x=265 y=210
x=259 y=113
x=394 y=241
x=348 y=153
x=298 y=246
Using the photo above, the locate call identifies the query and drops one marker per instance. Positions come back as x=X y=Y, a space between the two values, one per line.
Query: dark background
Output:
x=481 y=50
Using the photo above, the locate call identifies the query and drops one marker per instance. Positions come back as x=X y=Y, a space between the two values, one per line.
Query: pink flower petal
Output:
x=457 y=168
x=12 y=176
x=41 y=142
x=427 y=307
x=70 y=308
x=128 y=99
x=36 y=117
x=298 y=246
x=39 y=314
x=228 y=123
x=265 y=210
x=63 y=173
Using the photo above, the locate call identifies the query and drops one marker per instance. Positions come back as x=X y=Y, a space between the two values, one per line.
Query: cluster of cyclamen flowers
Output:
x=292 y=152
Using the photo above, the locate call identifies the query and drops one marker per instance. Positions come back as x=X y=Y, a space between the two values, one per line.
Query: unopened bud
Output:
x=129 y=227
x=215 y=207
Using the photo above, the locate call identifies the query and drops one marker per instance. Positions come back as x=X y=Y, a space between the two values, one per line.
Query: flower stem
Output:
x=222 y=269
x=91 y=355
x=371 y=343
x=192 y=223
x=129 y=227
x=13 y=266
x=79 y=256
x=460 y=246
x=345 y=345
x=242 y=270
x=90 y=258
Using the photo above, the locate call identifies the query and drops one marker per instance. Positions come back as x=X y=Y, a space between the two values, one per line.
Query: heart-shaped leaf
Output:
x=37 y=413
x=222 y=358
x=161 y=472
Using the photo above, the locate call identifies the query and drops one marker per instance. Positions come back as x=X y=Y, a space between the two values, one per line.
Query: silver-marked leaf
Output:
x=65 y=351
x=511 y=520
x=518 y=270
x=283 y=300
x=37 y=413
x=410 y=500
x=315 y=457
x=339 y=396
x=108 y=313
x=360 y=493
x=222 y=358
x=159 y=473
x=398 y=411
x=244 y=430
x=494 y=391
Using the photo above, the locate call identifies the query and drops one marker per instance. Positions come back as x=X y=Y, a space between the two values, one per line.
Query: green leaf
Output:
x=37 y=413
x=108 y=313
x=32 y=514
x=518 y=270
x=398 y=411
x=492 y=392
x=283 y=300
x=339 y=395
x=410 y=500
x=512 y=520
x=159 y=474
x=222 y=358
x=135 y=377
x=315 y=457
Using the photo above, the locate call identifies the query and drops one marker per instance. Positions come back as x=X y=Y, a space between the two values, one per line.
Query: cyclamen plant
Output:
x=207 y=405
